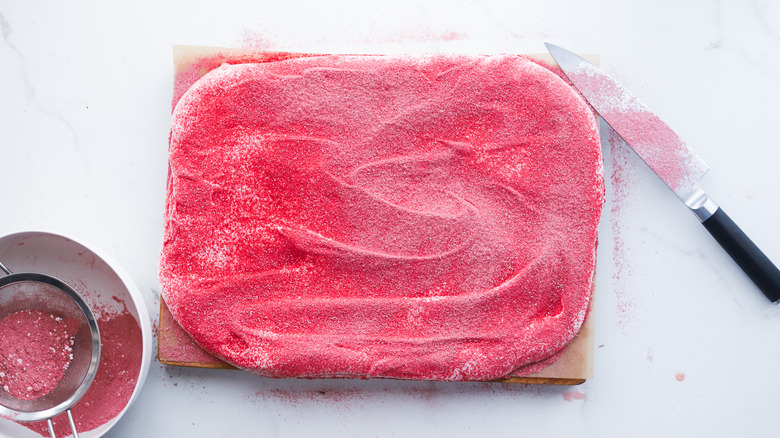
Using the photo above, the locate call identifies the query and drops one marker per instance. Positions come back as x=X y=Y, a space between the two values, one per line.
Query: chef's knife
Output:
x=670 y=158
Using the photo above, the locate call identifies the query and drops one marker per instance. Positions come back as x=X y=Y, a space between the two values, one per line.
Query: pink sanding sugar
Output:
x=573 y=395
x=175 y=346
x=202 y=65
x=35 y=351
x=655 y=142
x=427 y=217
x=120 y=364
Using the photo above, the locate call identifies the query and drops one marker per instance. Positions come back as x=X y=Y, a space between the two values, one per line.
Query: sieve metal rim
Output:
x=28 y=416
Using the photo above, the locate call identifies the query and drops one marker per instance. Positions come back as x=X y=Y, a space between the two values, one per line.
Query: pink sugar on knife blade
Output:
x=659 y=146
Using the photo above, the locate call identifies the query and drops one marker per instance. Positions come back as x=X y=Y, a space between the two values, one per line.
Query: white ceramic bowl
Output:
x=101 y=282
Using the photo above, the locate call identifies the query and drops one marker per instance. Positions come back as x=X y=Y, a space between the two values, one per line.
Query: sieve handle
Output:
x=72 y=424
x=7 y=271
x=70 y=421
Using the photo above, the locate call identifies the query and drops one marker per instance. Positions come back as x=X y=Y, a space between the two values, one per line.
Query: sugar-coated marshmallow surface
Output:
x=424 y=217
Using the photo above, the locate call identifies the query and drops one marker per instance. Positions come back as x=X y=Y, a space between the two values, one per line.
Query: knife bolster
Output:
x=703 y=208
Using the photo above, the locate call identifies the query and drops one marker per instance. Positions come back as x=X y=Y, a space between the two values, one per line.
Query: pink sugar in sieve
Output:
x=33 y=291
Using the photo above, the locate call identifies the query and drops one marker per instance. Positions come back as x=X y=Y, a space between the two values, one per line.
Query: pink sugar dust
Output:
x=35 y=351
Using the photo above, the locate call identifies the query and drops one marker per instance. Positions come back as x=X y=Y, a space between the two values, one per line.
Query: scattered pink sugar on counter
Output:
x=621 y=178
x=36 y=349
x=573 y=395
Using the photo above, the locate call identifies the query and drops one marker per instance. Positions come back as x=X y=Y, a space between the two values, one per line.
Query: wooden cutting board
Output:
x=177 y=348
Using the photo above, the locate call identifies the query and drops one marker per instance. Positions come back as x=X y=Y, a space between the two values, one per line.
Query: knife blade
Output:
x=678 y=166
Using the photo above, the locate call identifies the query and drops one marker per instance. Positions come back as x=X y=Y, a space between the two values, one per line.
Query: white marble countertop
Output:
x=85 y=92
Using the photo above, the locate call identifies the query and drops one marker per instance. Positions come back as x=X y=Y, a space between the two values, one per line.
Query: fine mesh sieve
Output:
x=34 y=291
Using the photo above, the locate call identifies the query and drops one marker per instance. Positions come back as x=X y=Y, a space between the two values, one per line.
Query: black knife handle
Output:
x=747 y=255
